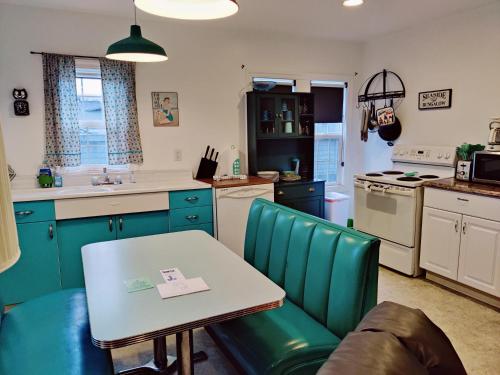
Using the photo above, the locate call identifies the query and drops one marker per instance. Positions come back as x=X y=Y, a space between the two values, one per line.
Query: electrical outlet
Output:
x=178 y=155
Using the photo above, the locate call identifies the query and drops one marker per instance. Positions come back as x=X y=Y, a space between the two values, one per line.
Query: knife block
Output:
x=207 y=168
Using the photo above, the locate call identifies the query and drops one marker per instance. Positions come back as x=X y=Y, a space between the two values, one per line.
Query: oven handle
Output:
x=370 y=188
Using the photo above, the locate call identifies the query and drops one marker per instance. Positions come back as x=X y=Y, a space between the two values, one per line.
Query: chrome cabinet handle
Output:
x=51 y=231
x=462 y=199
x=280 y=192
x=24 y=213
x=464 y=228
x=120 y=223
x=192 y=217
x=191 y=199
x=110 y=224
x=311 y=190
x=456 y=226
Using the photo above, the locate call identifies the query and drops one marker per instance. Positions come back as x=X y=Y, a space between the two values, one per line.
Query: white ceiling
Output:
x=315 y=18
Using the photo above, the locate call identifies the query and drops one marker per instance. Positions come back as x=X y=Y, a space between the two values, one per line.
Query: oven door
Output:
x=389 y=214
x=487 y=167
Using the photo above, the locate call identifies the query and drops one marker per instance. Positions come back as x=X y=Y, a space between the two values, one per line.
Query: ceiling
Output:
x=309 y=18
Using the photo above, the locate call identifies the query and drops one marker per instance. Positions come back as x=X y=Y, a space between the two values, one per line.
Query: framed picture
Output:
x=437 y=99
x=165 y=109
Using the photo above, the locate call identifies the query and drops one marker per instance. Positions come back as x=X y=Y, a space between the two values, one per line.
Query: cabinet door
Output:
x=37 y=270
x=142 y=224
x=440 y=244
x=72 y=235
x=313 y=206
x=479 y=265
x=286 y=108
x=267 y=116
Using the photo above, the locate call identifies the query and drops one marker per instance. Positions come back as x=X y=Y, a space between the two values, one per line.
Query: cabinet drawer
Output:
x=190 y=198
x=190 y=216
x=30 y=212
x=312 y=189
x=207 y=227
x=467 y=204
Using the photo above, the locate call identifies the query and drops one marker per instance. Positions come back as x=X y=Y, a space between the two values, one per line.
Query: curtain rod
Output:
x=77 y=56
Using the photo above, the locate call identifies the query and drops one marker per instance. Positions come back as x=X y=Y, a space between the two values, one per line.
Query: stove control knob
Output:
x=440 y=156
x=447 y=156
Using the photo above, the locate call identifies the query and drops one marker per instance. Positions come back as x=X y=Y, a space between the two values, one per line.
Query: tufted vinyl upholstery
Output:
x=330 y=277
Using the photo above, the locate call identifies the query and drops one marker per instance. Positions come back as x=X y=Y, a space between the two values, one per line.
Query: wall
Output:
x=204 y=67
x=459 y=52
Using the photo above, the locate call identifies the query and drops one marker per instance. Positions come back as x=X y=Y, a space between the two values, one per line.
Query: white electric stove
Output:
x=388 y=204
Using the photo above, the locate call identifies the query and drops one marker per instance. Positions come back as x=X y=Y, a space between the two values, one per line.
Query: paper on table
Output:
x=182 y=287
x=172 y=275
x=135 y=285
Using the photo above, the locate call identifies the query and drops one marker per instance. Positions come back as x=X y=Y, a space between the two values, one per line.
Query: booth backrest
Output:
x=331 y=272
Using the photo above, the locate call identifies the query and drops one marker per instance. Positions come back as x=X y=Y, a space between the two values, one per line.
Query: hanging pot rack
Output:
x=367 y=96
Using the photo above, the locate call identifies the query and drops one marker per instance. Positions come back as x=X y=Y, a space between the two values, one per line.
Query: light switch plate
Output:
x=178 y=155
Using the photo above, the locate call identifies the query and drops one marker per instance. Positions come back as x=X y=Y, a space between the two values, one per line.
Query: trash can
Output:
x=337 y=208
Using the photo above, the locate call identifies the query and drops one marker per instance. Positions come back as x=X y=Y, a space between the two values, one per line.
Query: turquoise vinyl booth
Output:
x=330 y=275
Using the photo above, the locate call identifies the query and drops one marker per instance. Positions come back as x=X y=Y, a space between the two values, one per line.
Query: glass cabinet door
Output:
x=286 y=108
x=267 y=116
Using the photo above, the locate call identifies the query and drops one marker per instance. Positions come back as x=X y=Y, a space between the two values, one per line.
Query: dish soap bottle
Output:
x=58 y=178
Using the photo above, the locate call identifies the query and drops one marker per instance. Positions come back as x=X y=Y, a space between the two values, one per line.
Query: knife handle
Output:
x=206 y=152
x=216 y=156
x=212 y=153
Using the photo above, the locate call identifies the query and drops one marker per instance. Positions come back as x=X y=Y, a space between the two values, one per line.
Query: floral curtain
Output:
x=62 y=129
x=120 y=108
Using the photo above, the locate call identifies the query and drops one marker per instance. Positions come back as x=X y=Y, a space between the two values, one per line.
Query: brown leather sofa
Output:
x=391 y=340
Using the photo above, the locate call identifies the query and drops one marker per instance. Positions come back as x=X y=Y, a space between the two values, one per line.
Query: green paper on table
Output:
x=135 y=285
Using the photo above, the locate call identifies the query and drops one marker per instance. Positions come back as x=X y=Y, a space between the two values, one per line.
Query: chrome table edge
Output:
x=120 y=343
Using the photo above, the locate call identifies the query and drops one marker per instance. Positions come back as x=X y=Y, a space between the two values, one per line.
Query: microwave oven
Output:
x=486 y=167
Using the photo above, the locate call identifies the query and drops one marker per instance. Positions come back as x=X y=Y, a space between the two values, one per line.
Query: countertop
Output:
x=453 y=184
x=68 y=192
x=251 y=180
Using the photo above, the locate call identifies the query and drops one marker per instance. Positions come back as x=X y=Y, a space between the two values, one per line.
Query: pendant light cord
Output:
x=135 y=13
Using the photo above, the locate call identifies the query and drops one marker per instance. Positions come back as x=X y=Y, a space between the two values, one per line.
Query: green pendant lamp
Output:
x=135 y=48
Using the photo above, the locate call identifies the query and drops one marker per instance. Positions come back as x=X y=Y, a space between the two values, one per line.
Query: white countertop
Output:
x=39 y=194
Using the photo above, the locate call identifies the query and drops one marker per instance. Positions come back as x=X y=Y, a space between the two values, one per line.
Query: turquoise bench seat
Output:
x=51 y=335
x=330 y=275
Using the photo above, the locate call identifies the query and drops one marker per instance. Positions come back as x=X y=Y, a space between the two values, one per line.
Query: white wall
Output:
x=461 y=52
x=204 y=67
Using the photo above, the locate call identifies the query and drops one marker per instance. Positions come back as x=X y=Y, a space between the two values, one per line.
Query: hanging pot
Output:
x=390 y=133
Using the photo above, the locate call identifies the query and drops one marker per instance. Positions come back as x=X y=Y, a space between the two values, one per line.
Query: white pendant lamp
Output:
x=9 y=245
x=352 y=3
x=189 y=9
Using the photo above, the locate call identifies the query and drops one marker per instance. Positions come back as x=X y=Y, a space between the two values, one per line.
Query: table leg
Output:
x=184 y=343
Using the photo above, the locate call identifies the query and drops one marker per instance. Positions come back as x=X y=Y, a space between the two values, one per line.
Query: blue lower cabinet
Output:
x=208 y=227
x=191 y=216
x=72 y=236
x=142 y=224
x=37 y=270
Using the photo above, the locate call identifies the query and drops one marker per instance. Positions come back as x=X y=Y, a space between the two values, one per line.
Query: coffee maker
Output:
x=494 y=138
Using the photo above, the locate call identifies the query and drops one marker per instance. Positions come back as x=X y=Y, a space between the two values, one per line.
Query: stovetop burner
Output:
x=409 y=179
x=373 y=175
x=392 y=172
x=428 y=176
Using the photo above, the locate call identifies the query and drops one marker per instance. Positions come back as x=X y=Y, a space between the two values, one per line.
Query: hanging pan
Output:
x=390 y=133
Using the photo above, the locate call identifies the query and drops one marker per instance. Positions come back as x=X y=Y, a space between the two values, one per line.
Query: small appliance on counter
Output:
x=494 y=138
x=45 y=179
x=465 y=154
x=486 y=167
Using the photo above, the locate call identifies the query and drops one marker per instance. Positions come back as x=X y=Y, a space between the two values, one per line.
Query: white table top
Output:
x=119 y=318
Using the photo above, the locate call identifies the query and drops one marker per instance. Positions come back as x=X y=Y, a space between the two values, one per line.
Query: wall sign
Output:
x=165 y=109
x=437 y=99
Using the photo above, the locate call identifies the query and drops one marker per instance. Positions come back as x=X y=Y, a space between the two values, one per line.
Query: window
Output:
x=281 y=85
x=329 y=108
x=93 y=139
x=328 y=151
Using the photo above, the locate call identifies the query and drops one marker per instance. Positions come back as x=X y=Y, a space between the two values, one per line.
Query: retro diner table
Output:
x=118 y=318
